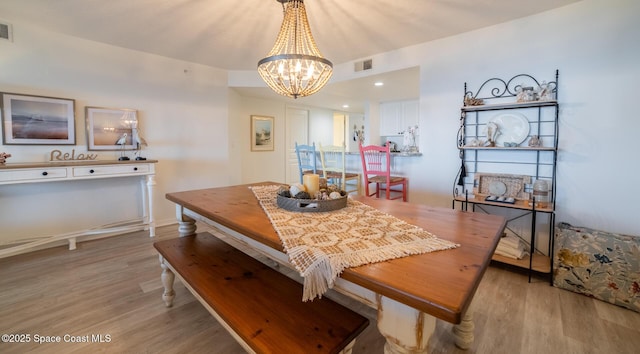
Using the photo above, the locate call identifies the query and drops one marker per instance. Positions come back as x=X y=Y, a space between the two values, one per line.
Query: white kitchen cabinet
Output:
x=397 y=116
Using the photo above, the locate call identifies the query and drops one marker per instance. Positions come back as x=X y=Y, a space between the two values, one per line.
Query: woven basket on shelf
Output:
x=311 y=205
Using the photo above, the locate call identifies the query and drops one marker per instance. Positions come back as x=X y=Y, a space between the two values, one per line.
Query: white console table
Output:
x=18 y=173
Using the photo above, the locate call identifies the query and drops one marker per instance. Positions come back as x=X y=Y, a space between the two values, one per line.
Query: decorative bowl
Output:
x=311 y=205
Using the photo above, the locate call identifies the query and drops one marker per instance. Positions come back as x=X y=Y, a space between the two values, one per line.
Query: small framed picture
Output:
x=261 y=133
x=38 y=120
x=111 y=128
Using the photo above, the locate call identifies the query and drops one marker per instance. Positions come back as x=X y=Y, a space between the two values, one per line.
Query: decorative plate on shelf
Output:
x=512 y=128
x=500 y=185
x=497 y=188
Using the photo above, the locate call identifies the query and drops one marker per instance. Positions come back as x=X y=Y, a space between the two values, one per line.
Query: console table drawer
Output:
x=15 y=176
x=129 y=169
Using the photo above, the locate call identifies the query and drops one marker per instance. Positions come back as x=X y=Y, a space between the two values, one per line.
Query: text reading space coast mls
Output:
x=67 y=338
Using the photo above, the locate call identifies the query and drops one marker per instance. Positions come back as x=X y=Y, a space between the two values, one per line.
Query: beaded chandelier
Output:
x=294 y=67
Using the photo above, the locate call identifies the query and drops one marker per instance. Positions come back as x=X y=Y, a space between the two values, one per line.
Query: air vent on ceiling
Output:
x=5 y=31
x=363 y=65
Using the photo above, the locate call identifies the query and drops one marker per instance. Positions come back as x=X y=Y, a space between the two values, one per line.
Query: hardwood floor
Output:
x=110 y=290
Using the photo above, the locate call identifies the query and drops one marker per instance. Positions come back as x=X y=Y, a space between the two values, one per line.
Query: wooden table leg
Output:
x=464 y=331
x=406 y=329
x=167 y=278
x=186 y=225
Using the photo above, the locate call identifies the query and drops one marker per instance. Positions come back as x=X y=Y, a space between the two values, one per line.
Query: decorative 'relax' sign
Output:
x=57 y=155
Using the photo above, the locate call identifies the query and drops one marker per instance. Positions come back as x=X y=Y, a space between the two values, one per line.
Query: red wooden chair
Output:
x=376 y=168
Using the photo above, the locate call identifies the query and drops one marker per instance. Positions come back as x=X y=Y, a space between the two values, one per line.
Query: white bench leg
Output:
x=167 y=278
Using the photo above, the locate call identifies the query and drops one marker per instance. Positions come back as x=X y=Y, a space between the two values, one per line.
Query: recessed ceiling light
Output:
x=345 y=106
x=378 y=83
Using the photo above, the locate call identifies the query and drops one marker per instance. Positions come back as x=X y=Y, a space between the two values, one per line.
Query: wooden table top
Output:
x=441 y=283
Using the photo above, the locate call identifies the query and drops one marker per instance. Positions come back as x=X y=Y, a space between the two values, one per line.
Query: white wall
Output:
x=321 y=126
x=182 y=112
x=260 y=166
x=594 y=45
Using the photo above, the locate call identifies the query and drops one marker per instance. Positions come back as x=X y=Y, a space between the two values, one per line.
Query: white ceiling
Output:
x=234 y=35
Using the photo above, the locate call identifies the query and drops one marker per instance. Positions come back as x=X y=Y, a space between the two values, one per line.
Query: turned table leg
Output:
x=406 y=329
x=167 y=278
x=186 y=225
x=464 y=331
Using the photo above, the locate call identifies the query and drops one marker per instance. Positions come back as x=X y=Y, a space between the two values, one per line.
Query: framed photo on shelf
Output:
x=261 y=133
x=37 y=120
x=111 y=128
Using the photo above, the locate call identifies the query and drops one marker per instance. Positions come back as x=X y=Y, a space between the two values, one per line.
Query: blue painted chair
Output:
x=306 y=159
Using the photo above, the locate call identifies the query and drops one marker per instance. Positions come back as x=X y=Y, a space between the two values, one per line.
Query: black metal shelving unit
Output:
x=493 y=99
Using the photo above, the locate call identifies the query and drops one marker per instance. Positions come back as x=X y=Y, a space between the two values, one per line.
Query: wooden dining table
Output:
x=409 y=293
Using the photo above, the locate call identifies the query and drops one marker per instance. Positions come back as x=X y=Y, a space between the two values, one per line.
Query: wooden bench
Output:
x=259 y=306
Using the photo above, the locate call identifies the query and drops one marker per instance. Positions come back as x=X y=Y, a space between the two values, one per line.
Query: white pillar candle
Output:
x=312 y=183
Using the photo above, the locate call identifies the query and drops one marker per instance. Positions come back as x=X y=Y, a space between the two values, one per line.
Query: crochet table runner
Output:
x=321 y=245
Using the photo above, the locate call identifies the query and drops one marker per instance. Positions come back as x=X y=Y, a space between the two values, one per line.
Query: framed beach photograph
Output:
x=111 y=128
x=37 y=120
x=261 y=133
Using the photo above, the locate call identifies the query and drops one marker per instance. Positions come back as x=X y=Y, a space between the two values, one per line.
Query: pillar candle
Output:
x=311 y=182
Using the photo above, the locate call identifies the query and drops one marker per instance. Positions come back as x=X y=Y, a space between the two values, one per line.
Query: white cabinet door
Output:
x=410 y=110
x=390 y=118
x=397 y=116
